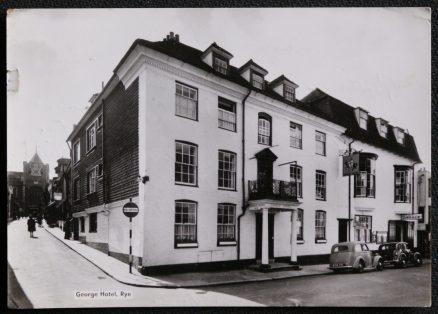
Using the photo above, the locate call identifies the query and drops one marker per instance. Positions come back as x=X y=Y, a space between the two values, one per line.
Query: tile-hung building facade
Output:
x=228 y=168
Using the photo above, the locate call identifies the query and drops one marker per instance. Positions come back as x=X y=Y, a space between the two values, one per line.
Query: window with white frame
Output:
x=320 y=185
x=226 y=222
x=320 y=222
x=365 y=180
x=402 y=185
x=289 y=92
x=227 y=170
x=363 y=226
x=300 y=224
x=220 y=65
x=91 y=137
x=320 y=141
x=264 y=129
x=186 y=102
x=296 y=177
x=226 y=114
x=296 y=135
x=91 y=181
x=186 y=163
x=363 y=119
x=185 y=223
x=257 y=80
x=76 y=152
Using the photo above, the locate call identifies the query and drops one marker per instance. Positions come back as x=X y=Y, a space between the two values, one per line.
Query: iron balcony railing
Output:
x=272 y=189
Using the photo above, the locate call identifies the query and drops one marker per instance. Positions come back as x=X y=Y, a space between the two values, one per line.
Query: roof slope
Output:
x=340 y=113
x=316 y=103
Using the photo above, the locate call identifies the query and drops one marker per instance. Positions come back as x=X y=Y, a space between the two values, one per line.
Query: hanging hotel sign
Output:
x=350 y=164
x=130 y=209
x=412 y=216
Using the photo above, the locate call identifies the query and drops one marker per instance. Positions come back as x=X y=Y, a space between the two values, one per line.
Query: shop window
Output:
x=363 y=228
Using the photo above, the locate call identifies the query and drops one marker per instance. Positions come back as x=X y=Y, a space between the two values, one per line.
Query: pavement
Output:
x=119 y=270
x=49 y=274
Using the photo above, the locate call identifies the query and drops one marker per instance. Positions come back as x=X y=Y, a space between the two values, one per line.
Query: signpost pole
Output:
x=130 y=210
x=130 y=245
x=349 y=198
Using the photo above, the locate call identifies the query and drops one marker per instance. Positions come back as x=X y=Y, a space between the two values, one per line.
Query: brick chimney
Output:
x=172 y=36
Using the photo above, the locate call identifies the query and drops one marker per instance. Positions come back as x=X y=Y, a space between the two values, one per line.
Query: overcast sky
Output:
x=378 y=59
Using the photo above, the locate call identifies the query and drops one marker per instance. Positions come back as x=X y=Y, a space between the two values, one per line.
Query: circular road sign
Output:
x=130 y=209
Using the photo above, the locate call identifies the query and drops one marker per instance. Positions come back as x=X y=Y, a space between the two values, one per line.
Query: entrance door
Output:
x=343 y=230
x=76 y=229
x=259 y=229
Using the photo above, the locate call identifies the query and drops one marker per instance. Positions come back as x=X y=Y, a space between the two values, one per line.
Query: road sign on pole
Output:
x=130 y=210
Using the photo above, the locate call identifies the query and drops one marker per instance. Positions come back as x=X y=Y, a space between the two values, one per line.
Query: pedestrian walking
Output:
x=67 y=229
x=31 y=226
x=40 y=220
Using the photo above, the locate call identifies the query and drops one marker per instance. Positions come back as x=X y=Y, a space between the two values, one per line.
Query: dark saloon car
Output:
x=399 y=254
x=354 y=256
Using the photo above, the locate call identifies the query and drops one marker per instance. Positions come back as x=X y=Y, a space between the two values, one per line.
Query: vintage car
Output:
x=399 y=254
x=354 y=256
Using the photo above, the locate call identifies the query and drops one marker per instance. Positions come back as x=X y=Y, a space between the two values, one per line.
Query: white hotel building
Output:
x=233 y=169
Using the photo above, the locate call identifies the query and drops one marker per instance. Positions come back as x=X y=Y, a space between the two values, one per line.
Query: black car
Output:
x=399 y=254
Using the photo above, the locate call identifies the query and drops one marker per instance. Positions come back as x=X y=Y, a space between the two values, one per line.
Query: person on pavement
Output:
x=67 y=229
x=31 y=226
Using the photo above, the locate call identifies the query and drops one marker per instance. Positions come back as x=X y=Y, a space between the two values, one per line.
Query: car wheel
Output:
x=402 y=262
x=418 y=261
x=379 y=266
x=360 y=267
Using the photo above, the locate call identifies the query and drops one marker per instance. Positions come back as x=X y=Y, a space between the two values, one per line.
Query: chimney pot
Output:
x=167 y=37
x=177 y=37
x=171 y=34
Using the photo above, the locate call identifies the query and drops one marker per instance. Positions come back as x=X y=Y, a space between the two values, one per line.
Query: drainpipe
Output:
x=71 y=181
x=413 y=187
x=349 y=195
x=244 y=206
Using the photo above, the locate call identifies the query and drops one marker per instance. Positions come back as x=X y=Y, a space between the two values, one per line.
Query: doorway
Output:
x=342 y=230
x=259 y=240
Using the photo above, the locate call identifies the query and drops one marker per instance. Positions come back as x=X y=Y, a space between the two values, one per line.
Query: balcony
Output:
x=272 y=189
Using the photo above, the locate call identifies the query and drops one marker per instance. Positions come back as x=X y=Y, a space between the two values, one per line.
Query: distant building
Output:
x=29 y=187
x=17 y=205
x=59 y=209
x=228 y=168
x=424 y=207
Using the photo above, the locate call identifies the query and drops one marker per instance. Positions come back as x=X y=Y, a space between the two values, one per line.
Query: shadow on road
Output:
x=17 y=299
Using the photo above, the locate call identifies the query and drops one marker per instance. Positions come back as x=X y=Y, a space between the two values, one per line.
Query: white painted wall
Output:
x=162 y=128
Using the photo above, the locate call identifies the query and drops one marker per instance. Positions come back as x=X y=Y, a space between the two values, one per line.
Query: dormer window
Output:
x=399 y=135
x=284 y=87
x=383 y=129
x=363 y=119
x=217 y=58
x=253 y=74
x=257 y=80
x=289 y=93
x=220 y=65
